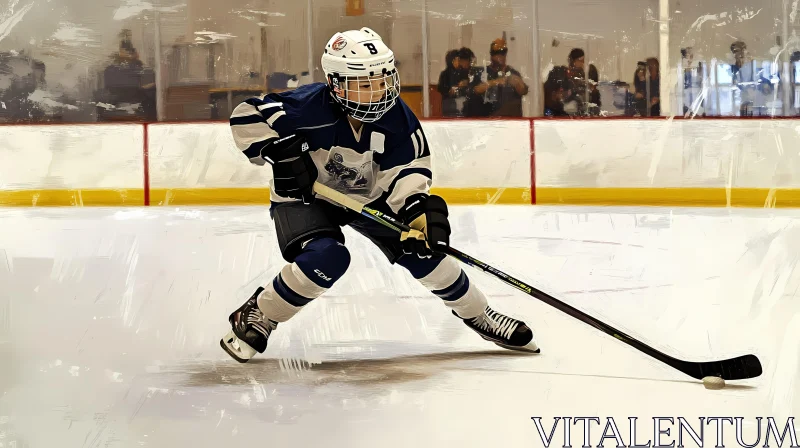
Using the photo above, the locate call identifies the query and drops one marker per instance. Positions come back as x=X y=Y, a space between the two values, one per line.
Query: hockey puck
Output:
x=713 y=382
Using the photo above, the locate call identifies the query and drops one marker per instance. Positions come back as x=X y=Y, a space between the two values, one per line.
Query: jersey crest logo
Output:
x=339 y=43
x=353 y=178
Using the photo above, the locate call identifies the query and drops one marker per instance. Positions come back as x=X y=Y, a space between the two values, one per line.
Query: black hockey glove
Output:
x=427 y=215
x=293 y=170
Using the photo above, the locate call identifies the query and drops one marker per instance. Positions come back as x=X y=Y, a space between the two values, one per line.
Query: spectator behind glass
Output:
x=127 y=86
x=749 y=81
x=584 y=97
x=647 y=76
x=654 y=70
x=20 y=76
x=454 y=82
x=692 y=83
x=467 y=59
x=500 y=85
x=557 y=88
x=576 y=63
x=448 y=84
x=594 y=93
x=794 y=64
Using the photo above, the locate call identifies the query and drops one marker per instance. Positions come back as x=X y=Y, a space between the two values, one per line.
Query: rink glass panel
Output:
x=118 y=61
x=733 y=59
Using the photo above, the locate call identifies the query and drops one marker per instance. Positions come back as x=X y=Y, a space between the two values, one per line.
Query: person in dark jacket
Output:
x=453 y=82
x=557 y=88
x=499 y=85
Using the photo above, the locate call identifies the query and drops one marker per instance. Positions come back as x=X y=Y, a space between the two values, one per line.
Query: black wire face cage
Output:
x=366 y=98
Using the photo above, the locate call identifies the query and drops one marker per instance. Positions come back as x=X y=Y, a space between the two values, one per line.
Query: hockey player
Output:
x=355 y=135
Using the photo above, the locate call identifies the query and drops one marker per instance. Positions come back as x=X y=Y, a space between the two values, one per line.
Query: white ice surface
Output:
x=110 y=321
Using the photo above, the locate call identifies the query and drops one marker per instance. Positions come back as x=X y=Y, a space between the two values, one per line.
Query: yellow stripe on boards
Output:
x=209 y=196
x=72 y=198
x=484 y=196
x=679 y=197
x=224 y=196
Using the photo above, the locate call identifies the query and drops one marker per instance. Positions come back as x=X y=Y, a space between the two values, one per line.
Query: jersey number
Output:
x=371 y=48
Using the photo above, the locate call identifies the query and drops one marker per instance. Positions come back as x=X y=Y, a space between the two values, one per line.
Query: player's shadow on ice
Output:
x=369 y=372
x=399 y=369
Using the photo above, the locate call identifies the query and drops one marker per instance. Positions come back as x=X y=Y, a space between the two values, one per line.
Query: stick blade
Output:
x=738 y=368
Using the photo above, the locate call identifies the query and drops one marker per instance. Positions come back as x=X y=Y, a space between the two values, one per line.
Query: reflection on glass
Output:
x=216 y=54
x=598 y=61
x=732 y=57
x=76 y=61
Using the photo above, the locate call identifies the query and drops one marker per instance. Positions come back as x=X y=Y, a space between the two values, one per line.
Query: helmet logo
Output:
x=339 y=43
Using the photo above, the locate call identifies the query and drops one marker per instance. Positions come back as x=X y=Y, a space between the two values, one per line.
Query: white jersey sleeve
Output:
x=252 y=124
x=407 y=170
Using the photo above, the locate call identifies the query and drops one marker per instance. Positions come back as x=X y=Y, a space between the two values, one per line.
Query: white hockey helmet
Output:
x=361 y=55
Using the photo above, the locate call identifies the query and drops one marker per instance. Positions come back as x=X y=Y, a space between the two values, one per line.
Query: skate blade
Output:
x=529 y=348
x=236 y=348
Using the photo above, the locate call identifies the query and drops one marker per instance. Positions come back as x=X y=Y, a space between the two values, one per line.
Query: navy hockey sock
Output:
x=314 y=271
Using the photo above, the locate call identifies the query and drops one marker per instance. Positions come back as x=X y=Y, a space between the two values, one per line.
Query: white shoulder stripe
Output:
x=247 y=134
x=244 y=110
x=274 y=117
x=268 y=105
x=238 y=113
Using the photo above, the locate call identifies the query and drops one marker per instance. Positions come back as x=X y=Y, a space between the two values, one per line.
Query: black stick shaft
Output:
x=742 y=367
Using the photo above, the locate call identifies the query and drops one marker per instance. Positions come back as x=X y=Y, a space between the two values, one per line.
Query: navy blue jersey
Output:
x=381 y=165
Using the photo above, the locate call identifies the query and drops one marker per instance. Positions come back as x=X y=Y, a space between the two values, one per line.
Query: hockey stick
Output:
x=738 y=368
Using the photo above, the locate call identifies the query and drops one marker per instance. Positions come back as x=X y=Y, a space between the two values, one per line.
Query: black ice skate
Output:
x=504 y=331
x=249 y=331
